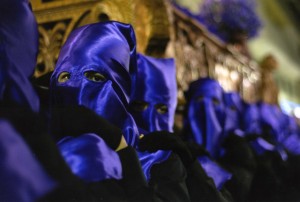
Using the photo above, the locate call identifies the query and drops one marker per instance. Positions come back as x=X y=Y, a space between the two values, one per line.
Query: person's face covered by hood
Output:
x=154 y=96
x=95 y=69
x=205 y=113
x=18 y=51
x=251 y=119
x=153 y=103
x=234 y=107
x=273 y=121
x=23 y=176
x=292 y=140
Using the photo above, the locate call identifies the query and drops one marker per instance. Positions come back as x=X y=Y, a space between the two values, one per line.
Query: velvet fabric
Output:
x=155 y=87
x=18 y=51
x=95 y=68
x=205 y=114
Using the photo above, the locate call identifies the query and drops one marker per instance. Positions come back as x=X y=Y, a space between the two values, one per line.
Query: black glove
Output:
x=77 y=120
x=197 y=149
x=41 y=86
x=163 y=140
x=25 y=121
x=238 y=152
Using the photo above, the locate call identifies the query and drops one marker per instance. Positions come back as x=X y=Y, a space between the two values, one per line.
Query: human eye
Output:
x=216 y=101
x=233 y=108
x=139 y=106
x=161 y=108
x=199 y=98
x=94 y=76
x=63 y=77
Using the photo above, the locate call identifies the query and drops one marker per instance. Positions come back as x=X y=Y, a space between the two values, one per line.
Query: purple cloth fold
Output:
x=100 y=63
x=18 y=51
x=22 y=176
x=219 y=175
x=90 y=158
x=153 y=103
x=205 y=114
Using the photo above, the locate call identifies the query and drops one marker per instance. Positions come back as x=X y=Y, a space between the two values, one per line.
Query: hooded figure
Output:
x=19 y=47
x=271 y=165
x=273 y=123
x=238 y=156
x=292 y=145
x=234 y=108
x=203 y=124
x=251 y=119
x=23 y=177
x=205 y=114
x=292 y=141
x=252 y=126
x=282 y=129
x=153 y=103
x=154 y=98
x=95 y=68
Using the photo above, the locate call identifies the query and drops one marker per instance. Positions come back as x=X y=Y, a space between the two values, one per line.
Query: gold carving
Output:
x=161 y=30
x=199 y=54
x=49 y=47
x=149 y=18
x=152 y=27
x=117 y=10
x=57 y=19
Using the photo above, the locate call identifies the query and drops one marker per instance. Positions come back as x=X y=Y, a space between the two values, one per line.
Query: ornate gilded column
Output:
x=269 y=89
x=152 y=27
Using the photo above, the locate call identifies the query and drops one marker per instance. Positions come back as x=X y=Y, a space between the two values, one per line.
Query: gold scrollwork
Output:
x=158 y=25
x=149 y=18
x=117 y=10
x=50 y=44
x=152 y=27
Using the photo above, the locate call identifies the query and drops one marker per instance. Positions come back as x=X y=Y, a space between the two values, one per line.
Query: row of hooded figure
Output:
x=100 y=127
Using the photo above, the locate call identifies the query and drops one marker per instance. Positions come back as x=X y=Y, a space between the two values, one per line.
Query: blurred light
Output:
x=246 y=83
x=234 y=75
x=297 y=112
x=290 y=108
x=286 y=107
x=253 y=77
x=218 y=68
x=225 y=72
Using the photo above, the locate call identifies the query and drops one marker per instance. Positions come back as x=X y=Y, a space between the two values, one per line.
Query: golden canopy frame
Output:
x=161 y=30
